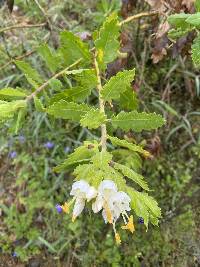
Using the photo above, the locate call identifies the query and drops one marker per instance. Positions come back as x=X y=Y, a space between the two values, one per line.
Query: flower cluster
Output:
x=106 y=198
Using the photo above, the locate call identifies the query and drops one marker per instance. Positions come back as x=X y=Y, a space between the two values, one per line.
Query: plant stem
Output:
x=138 y=16
x=45 y=84
x=101 y=105
x=19 y=26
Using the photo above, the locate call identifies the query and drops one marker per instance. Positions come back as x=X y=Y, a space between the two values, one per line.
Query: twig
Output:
x=44 y=13
x=45 y=84
x=18 y=58
x=19 y=26
x=101 y=104
x=138 y=16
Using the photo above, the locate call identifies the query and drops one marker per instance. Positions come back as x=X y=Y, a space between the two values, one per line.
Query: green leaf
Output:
x=117 y=84
x=93 y=119
x=194 y=19
x=80 y=155
x=144 y=206
x=31 y=74
x=55 y=84
x=179 y=20
x=123 y=143
x=177 y=33
x=134 y=176
x=38 y=104
x=128 y=158
x=18 y=121
x=101 y=159
x=68 y=110
x=72 y=48
x=197 y=5
x=107 y=43
x=11 y=93
x=137 y=121
x=8 y=109
x=87 y=78
x=50 y=57
x=128 y=99
x=196 y=51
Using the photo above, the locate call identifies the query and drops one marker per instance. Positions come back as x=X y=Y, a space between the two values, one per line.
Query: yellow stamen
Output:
x=129 y=226
x=108 y=213
x=65 y=207
x=117 y=238
x=73 y=218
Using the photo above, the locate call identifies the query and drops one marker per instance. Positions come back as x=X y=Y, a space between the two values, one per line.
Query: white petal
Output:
x=98 y=204
x=91 y=193
x=104 y=216
x=123 y=197
x=79 y=188
x=107 y=184
x=78 y=207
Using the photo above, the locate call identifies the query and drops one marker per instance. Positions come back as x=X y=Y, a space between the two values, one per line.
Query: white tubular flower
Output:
x=82 y=192
x=119 y=203
x=114 y=204
x=106 y=190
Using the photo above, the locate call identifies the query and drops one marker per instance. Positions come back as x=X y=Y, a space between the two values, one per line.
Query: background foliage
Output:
x=29 y=189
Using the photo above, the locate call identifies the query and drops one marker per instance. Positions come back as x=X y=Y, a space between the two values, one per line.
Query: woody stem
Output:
x=101 y=104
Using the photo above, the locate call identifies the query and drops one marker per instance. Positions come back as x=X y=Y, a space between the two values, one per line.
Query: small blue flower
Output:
x=140 y=220
x=12 y=154
x=14 y=254
x=58 y=208
x=49 y=145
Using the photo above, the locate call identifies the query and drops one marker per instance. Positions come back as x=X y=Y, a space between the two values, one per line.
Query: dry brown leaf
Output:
x=158 y=55
x=162 y=29
x=157 y=4
x=188 y=3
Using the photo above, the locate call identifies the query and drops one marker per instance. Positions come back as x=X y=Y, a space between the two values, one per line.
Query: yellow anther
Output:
x=73 y=218
x=117 y=238
x=65 y=207
x=108 y=213
x=129 y=226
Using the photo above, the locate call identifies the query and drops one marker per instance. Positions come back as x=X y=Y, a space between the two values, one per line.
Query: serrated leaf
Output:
x=55 y=84
x=87 y=78
x=177 y=33
x=31 y=74
x=101 y=159
x=8 y=109
x=128 y=158
x=137 y=121
x=50 y=57
x=194 y=19
x=18 y=121
x=196 y=51
x=179 y=20
x=117 y=85
x=123 y=143
x=72 y=48
x=107 y=43
x=38 y=105
x=134 y=176
x=128 y=99
x=93 y=119
x=68 y=110
x=144 y=206
x=80 y=155
x=11 y=93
